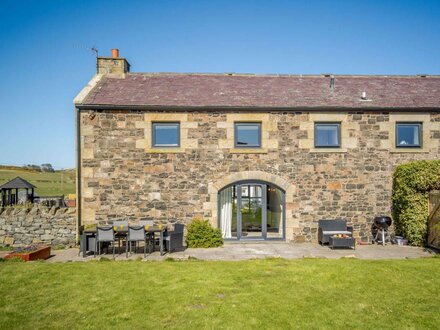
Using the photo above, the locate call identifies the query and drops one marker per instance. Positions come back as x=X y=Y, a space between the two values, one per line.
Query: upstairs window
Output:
x=408 y=135
x=327 y=135
x=166 y=135
x=247 y=135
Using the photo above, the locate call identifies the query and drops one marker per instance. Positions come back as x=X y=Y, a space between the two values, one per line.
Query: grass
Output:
x=48 y=184
x=272 y=293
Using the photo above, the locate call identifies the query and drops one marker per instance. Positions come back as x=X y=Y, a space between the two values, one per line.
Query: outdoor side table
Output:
x=342 y=242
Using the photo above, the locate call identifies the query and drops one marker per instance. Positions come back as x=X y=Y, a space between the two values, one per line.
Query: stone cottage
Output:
x=261 y=156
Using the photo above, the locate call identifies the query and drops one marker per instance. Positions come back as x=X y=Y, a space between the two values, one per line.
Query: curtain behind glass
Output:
x=226 y=212
x=275 y=212
x=280 y=223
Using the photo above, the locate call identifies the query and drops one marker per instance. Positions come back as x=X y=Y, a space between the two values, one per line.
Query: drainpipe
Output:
x=78 y=171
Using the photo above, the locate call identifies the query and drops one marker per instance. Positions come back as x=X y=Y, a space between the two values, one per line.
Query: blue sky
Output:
x=45 y=56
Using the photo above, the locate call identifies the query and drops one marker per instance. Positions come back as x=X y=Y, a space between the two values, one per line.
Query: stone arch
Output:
x=288 y=187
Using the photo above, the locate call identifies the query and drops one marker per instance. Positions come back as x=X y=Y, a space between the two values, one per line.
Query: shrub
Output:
x=412 y=183
x=201 y=235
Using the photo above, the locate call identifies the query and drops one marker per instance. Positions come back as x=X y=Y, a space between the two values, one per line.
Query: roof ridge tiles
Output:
x=299 y=75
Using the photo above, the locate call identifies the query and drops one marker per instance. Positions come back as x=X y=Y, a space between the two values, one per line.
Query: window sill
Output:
x=328 y=150
x=409 y=150
x=248 y=151
x=165 y=151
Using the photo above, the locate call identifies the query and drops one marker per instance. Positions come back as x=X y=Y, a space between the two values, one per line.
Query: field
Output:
x=48 y=184
x=255 y=294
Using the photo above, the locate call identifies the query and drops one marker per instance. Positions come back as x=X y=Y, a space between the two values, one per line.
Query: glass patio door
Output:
x=251 y=210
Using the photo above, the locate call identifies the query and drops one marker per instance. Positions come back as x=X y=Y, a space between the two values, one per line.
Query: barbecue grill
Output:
x=382 y=223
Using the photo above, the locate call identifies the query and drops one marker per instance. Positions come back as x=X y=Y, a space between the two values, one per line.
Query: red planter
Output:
x=41 y=253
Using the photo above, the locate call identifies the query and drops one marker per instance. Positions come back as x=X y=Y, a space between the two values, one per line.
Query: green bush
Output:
x=201 y=235
x=412 y=183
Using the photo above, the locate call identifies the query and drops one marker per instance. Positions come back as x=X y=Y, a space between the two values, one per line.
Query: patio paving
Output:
x=244 y=251
x=261 y=250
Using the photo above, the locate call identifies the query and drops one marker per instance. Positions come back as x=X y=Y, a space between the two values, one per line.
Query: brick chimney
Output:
x=112 y=65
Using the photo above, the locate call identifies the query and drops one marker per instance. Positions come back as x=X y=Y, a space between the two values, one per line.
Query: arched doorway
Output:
x=252 y=210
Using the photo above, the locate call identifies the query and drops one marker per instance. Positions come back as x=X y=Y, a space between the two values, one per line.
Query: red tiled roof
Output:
x=265 y=91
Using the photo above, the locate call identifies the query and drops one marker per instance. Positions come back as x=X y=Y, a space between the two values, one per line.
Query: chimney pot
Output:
x=115 y=52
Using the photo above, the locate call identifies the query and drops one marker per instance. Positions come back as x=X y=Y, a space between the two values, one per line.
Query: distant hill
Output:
x=48 y=184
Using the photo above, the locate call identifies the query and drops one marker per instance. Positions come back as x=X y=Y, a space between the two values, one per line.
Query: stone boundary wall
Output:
x=35 y=224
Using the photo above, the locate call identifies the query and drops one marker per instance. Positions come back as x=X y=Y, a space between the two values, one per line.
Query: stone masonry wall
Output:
x=122 y=177
x=37 y=224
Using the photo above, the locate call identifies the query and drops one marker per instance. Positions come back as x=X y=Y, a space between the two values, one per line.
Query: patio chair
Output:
x=150 y=236
x=105 y=235
x=119 y=237
x=328 y=228
x=174 y=239
x=135 y=235
x=146 y=222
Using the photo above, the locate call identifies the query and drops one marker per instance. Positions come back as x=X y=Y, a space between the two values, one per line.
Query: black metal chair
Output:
x=135 y=235
x=105 y=235
x=328 y=228
x=174 y=239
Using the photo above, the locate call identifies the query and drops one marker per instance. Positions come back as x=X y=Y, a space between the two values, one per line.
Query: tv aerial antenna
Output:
x=94 y=50
x=82 y=46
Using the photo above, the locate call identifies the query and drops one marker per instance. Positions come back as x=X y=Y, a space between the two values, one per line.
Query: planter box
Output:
x=41 y=253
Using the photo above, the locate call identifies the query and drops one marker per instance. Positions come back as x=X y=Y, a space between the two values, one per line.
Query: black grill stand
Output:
x=382 y=223
x=382 y=236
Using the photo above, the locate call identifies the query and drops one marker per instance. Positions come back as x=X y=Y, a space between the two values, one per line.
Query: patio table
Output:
x=343 y=242
x=89 y=236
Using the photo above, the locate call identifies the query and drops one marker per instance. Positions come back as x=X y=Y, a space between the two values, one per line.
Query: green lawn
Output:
x=48 y=184
x=275 y=293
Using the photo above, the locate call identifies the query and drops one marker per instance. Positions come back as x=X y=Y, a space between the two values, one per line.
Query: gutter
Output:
x=250 y=109
x=78 y=171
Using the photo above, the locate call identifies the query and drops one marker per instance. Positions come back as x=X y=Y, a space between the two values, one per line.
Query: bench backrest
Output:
x=332 y=225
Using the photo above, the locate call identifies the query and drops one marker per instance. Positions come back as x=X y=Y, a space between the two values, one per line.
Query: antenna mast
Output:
x=94 y=50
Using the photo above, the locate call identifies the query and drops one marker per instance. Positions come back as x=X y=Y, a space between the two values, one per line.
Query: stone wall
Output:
x=37 y=224
x=122 y=177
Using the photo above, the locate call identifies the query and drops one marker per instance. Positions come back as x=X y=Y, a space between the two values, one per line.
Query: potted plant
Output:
x=30 y=253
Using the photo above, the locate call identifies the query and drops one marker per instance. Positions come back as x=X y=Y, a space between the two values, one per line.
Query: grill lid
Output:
x=383 y=221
